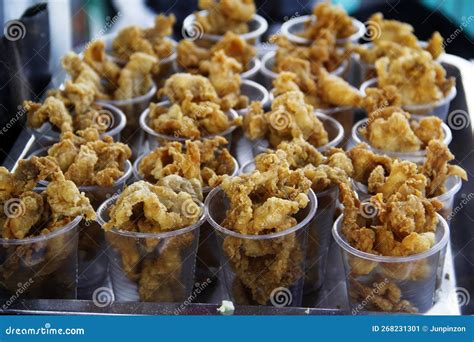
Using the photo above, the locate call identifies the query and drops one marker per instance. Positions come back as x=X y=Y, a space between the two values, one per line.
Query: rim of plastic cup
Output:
x=313 y=202
x=358 y=138
x=257 y=88
x=205 y=189
x=341 y=241
x=373 y=82
x=286 y=28
x=66 y=228
x=270 y=56
x=145 y=97
x=107 y=203
x=255 y=65
x=262 y=26
x=122 y=121
x=232 y=114
x=453 y=190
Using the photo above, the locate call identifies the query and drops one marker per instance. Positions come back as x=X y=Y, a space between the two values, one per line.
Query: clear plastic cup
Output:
x=239 y=270
x=250 y=73
x=268 y=75
x=319 y=234
x=292 y=29
x=439 y=108
x=116 y=121
x=373 y=281
x=92 y=261
x=152 y=267
x=257 y=27
x=154 y=138
x=40 y=267
x=132 y=134
x=255 y=92
x=417 y=157
x=343 y=115
x=334 y=129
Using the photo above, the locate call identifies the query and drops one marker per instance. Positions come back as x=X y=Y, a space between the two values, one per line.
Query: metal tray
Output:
x=332 y=297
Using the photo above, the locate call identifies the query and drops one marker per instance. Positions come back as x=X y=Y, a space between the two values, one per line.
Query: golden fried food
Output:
x=90 y=160
x=418 y=78
x=152 y=41
x=290 y=117
x=181 y=85
x=329 y=17
x=225 y=15
x=198 y=160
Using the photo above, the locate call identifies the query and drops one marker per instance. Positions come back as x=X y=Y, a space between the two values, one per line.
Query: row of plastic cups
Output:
x=319 y=234
x=268 y=75
x=417 y=157
x=392 y=284
x=439 y=108
x=333 y=128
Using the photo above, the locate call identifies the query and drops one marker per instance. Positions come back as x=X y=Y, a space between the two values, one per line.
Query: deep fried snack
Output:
x=181 y=85
x=225 y=15
x=290 y=117
x=199 y=160
x=417 y=77
x=152 y=41
x=329 y=17
x=90 y=160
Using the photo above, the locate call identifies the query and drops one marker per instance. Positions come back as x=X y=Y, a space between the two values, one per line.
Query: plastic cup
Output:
x=369 y=275
x=283 y=290
x=40 y=267
x=152 y=267
x=250 y=73
x=154 y=138
x=343 y=115
x=319 y=234
x=417 y=157
x=50 y=134
x=132 y=134
x=268 y=75
x=255 y=92
x=439 y=108
x=92 y=261
x=292 y=29
x=257 y=27
x=334 y=129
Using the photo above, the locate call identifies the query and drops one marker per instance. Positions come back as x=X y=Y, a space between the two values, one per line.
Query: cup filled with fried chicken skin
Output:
x=395 y=132
x=193 y=110
x=154 y=41
x=391 y=245
x=100 y=168
x=325 y=19
x=392 y=39
x=39 y=230
x=329 y=174
x=290 y=117
x=217 y=17
x=152 y=231
x=261 y=221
